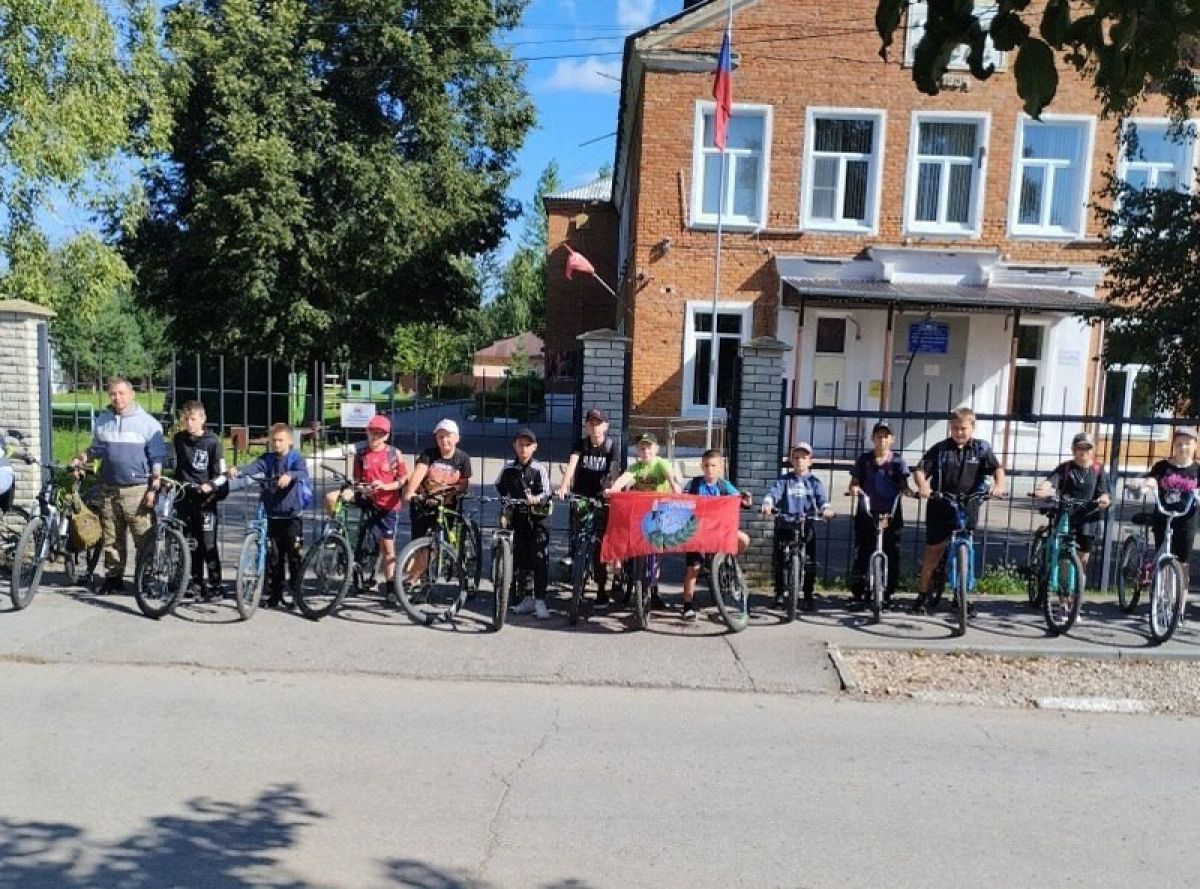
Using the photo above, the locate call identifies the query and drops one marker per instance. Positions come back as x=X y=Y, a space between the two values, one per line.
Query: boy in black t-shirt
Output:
x=880 y=474
x=1176 y=479
x=200 y=460
x=526 y=479
x=591 y=469
x=443 y=470
x=1080 y=478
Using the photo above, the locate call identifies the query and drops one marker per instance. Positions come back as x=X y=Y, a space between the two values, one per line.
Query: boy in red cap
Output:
x=379 y=465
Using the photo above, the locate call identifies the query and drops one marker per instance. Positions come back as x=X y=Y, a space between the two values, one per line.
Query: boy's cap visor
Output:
x=803 y=446
x=379 y=423
x=595 y=415
x=524 y=432
x=647 y=438
x=1186 y=431
x=882 y=426
x=1082 y=440
x=446 y=426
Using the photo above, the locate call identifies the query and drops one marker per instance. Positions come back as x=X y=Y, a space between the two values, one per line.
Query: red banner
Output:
x=641 y=523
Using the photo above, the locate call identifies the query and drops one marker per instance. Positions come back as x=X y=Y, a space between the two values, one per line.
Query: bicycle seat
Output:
x=1047 y=511
x=1142 y=518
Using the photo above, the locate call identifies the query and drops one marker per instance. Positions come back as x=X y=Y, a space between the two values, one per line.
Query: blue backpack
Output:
x=306 y=492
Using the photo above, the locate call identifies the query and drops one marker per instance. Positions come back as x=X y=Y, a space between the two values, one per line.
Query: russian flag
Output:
x=723 y=93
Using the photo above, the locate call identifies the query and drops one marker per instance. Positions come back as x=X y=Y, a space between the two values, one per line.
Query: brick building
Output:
x=910 y=249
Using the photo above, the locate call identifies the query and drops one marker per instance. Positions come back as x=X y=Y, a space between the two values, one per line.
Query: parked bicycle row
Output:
x=438 y=574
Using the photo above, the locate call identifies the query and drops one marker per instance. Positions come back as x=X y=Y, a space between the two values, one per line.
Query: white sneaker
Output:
x=540 y=611
x=527 y=605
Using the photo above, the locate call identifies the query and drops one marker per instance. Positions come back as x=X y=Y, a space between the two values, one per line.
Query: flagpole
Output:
x=712 y=349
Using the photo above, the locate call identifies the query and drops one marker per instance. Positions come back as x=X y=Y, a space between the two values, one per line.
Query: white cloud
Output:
x=586 y=75
x=635 y=14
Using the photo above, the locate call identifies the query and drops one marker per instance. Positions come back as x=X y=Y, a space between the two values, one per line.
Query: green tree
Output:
x=430 y=350
x=1152 y=238
x=520 y=302
x=79 y=89
x=1124 y=47
x=334 y=166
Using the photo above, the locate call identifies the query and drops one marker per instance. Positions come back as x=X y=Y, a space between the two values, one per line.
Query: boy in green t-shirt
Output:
x=649 y=472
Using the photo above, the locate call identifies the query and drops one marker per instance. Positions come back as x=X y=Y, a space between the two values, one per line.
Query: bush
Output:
x=1001 y=580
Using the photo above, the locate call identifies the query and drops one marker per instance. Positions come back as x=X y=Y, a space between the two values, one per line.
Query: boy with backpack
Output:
x=712 y=483
x=287 y=495
x=200 y=461
x=1080 y=478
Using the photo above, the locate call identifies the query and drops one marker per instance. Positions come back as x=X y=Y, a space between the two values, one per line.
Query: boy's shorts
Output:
x=695 y=559
x=382 y=525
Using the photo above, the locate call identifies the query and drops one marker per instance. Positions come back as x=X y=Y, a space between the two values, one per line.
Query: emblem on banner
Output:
x=670 y=523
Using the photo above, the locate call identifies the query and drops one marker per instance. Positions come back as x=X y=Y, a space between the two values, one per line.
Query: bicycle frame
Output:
x=962 y=536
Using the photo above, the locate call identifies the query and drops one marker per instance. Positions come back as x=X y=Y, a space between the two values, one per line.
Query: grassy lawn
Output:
x=85 y=400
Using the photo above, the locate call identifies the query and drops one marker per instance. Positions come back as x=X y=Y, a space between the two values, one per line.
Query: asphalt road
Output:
x=127 y=776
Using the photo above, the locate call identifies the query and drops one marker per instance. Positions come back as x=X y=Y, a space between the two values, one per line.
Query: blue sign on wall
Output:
x=928 y=337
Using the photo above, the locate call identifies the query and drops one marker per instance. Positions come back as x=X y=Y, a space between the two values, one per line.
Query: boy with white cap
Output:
x=799 y=493
x=443 y=470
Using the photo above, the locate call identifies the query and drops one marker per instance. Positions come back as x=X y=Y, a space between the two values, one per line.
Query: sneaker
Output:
x=602 y=598
x=657 y=603
x=540 y=611
x=566 y=562
x=920 y=606
x=689 y=611
x=780 y=598
x=527 y=606
x=195 y=589
x=384 y=589
x=112 y=586
x=808 y=603
x=212 y=593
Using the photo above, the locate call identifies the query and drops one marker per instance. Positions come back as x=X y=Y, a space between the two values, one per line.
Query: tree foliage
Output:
x=430 y=351
x=334 y=166
x=79 y=89
x=1152 y=240
x=1124 y=47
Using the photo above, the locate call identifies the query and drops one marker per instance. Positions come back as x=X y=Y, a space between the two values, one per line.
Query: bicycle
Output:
x=450 y=573
x=960 y=559
x=638 y=584
x=256 y=553
x=46 y=535
x=727 y=584
x=588 y=513
x=331 y=566
x=506 y=578
x=164 y=562
x=1168 y=590
x=877 y=567
x=1135 y=564
x=1056 y=569
x=793 y=557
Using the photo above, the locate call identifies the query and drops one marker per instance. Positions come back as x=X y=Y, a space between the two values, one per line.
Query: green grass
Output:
x=85 y=400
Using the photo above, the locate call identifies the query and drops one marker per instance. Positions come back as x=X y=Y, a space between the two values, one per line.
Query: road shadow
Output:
x=215 y=844
x=412 y=874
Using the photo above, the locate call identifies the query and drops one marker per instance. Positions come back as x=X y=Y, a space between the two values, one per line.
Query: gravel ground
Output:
x=1052 y=682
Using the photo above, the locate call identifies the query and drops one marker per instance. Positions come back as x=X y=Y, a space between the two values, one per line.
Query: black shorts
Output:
x=941 y=518
x=1083 y=542
x=695 y=559
x=423 y=518
x=1183 y=533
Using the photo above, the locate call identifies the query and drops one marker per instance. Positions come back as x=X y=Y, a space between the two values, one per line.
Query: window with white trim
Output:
x=918 y=14
x=744 y=199
x=1152 y=156
x=1050 y=177
x=1027 y=375
x=842 y=169
x=946 y=175
x=1127 y=394
x=734 y=322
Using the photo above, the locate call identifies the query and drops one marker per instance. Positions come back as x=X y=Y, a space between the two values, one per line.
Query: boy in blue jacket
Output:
x=285 y=501
x=799 y=493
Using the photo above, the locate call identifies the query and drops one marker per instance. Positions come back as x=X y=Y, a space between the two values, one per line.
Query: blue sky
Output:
x=577 y=91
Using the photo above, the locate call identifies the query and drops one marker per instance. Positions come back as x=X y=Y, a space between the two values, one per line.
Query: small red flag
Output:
x=723 y=93
x=577 y=262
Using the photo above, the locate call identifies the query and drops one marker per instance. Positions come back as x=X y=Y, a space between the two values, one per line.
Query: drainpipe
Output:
x=1012 y=384
x=796 y=370
x=885 y=381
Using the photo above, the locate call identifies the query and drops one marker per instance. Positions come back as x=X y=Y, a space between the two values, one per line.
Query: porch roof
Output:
x=962 y=297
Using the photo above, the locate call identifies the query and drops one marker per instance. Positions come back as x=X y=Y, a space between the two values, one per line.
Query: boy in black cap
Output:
x=880 y=474
x=593 y=465
x=524 y=478
x=1080 y=478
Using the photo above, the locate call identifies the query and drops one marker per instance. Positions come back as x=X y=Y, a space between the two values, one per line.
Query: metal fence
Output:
x=1029 y=447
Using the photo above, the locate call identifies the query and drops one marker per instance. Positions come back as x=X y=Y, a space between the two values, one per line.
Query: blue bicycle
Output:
x=1056 y=570
x=256 y=548
x=960 y=555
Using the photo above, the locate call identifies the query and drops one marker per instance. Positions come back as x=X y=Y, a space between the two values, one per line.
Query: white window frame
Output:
x=918 y=13
x=1087 y=124
x=690 y=338
x=874 y=173
x=700 y=219
x=1157 y=432
x=1187 y=177
x=1042 y=380
x=974 y=226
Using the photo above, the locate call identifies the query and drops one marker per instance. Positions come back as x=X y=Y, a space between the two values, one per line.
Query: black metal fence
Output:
x=1029 y=446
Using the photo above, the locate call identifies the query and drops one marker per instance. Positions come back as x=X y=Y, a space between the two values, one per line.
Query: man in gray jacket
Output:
x=129 y=444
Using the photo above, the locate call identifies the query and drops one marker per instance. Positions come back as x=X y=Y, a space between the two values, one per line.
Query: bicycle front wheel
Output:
x=1129 y=575
x=430 y=580
x=27 y=563
x=581 y=569
x=962 y=566
x=729 y=592
x=795 y=580
x=502 y=574
x=162 y=572
x=1060 y=606
x=641 y=590
x=878 y=576
x=1034 y=582
x=324 y=577
x=1166 y=600
x=249 y=578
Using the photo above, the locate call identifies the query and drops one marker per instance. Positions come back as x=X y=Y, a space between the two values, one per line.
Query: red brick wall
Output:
x=793 y=54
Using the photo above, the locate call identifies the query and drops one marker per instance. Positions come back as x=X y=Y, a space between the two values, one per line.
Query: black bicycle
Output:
x=793 y=557
x=164 y=561
x=589 y=517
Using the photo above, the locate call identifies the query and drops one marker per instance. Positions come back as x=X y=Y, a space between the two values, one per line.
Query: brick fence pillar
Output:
x=759 y=415
x=22 y=371
x=603 y=374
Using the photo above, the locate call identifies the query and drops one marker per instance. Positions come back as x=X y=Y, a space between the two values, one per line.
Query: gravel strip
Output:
x=1155 y=686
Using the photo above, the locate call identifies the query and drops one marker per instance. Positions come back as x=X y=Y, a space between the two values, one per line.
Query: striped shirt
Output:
x=129 y=446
